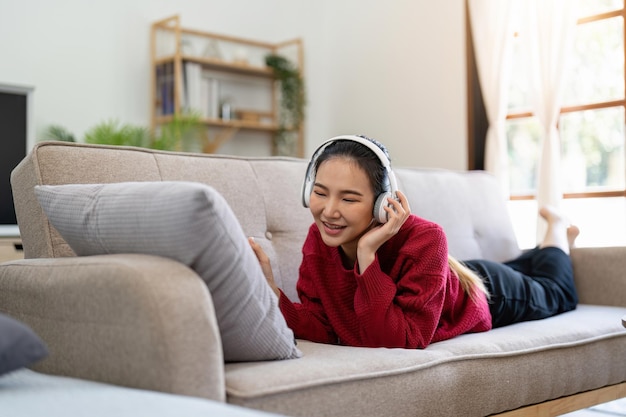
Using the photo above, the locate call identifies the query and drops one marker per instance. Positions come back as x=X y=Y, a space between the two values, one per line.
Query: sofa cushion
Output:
x=19 y=345
x=267 y=209
x=188 y=222
x=521 y=364
x=458 y=201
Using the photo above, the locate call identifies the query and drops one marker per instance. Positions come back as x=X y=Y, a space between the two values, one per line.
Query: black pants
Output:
x=536 y=285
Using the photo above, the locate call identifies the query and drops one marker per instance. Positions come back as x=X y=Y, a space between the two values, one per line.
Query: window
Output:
x=591 y=124
x=591 y=127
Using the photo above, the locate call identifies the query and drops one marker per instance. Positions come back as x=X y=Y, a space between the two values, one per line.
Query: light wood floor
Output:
x=613 y=408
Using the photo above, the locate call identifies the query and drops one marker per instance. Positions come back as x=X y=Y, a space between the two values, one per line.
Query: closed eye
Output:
x=349 y=196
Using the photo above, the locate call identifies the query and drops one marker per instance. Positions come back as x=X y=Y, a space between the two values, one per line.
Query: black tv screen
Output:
x=13 y=140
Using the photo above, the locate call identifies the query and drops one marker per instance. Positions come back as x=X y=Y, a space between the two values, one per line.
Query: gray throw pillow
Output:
x=190 y=223
x=19 y=345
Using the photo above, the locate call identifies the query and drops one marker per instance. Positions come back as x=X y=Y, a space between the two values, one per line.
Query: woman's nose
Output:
x=331 y=208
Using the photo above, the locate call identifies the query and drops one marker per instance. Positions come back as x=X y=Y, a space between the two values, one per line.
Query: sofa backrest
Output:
x=264 y=193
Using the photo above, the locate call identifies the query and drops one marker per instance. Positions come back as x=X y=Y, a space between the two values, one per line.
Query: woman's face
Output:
x=342 y=203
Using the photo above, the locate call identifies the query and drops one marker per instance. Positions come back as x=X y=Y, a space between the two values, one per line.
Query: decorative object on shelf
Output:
x=248 y=116
x=292 y=102
x=212 y=49
x=226 y=109
x=240 y=56
x=186 y=47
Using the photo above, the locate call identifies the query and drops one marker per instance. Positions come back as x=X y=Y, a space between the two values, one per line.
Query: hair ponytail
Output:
x=470 y=282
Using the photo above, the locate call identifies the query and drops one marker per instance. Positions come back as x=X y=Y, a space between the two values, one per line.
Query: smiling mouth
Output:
x=333 y=228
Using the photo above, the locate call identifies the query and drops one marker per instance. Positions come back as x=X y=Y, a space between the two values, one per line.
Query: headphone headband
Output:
x=309 y=178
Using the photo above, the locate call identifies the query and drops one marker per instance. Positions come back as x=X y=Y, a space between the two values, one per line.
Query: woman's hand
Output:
x=380 y=233
x=266 y=267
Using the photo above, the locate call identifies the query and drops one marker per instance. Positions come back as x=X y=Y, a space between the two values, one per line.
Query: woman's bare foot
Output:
x=559 y=233
x=572 y=233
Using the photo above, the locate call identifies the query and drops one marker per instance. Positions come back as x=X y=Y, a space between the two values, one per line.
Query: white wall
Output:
x=397 y=73
x=393 y=70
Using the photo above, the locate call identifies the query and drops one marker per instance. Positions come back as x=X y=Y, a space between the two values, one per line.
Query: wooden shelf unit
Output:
x=175 y=58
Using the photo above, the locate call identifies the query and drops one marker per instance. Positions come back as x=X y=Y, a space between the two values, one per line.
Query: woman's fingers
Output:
x=398 y=208
x=266 y=266
x=258 y=251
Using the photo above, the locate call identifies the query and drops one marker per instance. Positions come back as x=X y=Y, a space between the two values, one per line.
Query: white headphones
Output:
x=390 y=186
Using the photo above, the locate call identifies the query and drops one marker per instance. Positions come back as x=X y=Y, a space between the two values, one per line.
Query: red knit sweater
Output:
x=408 y=297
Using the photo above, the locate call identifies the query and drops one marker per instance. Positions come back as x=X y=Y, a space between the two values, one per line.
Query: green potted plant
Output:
x=113 y=133
x=182 y=133
x=292 y=102
x=58 y=132
x=185 y=132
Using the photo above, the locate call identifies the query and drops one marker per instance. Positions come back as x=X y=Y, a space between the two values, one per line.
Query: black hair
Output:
x=364 y=157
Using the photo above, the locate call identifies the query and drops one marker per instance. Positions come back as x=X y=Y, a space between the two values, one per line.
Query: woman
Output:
x=388 y=281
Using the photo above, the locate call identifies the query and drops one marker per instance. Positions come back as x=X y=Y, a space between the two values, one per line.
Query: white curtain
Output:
x=548 y=33
x=491 y=25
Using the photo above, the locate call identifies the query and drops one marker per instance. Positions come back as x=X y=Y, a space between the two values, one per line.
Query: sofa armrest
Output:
x=131 y=320
x=600 y=275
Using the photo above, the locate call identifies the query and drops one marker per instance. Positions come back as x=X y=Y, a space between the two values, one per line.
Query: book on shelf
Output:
x=214 y=98
x=200 y=92
x=205 y=96
x=192 y=78
x=165 y=89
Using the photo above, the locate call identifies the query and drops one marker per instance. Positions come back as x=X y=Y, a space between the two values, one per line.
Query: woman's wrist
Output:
x=365 y=259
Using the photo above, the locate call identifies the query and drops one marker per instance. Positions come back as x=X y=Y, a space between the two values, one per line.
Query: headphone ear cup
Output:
x=379 y=208
x=307 y=189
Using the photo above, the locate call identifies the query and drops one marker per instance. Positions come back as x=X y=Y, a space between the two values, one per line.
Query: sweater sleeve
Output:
x=404 y=312
x=307 y=319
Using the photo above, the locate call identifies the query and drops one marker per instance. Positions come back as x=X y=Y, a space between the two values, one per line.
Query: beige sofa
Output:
x=98 y=316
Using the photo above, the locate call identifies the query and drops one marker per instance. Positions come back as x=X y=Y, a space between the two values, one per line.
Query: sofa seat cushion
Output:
x=522 y=364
